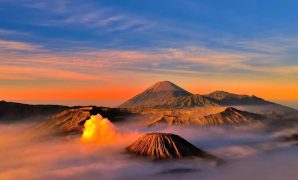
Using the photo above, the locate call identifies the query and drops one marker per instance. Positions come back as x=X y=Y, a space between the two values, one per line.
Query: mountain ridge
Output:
x=229 y=116
x=165 y=94
x=155 y=95
x=13 y=111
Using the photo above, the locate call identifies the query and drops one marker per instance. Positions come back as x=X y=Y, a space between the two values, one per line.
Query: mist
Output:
x=249 y=153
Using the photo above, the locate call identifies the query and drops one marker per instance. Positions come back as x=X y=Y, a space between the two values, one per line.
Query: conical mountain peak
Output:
x=159 y=94
x=165 y=86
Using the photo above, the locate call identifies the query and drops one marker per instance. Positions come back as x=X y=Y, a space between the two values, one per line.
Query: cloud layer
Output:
x=248 y=151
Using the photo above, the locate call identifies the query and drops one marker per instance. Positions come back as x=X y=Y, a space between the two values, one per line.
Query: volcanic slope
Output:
x=230 y=116
x=166 y=146
x=72 y=120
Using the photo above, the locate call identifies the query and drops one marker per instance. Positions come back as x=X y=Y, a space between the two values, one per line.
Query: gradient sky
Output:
x=104 y=52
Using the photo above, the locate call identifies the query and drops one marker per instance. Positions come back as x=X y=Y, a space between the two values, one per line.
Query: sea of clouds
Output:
x=249 y=153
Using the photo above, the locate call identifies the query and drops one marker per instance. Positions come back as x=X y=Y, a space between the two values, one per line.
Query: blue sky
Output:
x=224 y=43
x=143 y=24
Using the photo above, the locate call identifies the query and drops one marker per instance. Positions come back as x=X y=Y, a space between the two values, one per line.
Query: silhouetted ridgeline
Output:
x=11 y=111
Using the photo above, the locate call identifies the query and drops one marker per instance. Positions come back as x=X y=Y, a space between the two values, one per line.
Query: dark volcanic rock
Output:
x=166 y=146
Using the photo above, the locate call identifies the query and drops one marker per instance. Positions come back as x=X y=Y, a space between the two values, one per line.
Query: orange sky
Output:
x=117 y=75
x=123 y=91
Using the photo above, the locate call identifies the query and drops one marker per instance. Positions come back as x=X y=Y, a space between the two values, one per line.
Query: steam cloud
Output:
x=100 y=130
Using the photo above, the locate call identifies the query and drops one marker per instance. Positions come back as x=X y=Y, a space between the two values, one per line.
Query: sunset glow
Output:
x=102 y=52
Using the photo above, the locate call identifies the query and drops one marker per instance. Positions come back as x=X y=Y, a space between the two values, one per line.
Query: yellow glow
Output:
x=99 y=129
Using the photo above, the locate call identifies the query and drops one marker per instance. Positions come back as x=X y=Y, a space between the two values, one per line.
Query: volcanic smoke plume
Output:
x=100 y=130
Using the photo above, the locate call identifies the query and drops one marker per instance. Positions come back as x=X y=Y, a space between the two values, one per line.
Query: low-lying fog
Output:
x=250 y=153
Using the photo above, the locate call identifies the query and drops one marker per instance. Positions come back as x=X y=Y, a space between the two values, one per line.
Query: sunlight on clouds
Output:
x=18 y=46
x=112 y=68
x=35 y=73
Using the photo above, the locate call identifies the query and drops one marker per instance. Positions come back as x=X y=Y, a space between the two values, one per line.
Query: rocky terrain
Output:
x=72 y=120
x=166 y=146
x=230 y=116
x=228 y=99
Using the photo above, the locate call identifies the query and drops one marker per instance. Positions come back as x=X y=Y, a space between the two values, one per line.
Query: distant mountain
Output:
x=250 y=103
x=160 y=94
x=230 y=116
x=229 y=99
x=166 y=146
x=165 y=94
x=11 y=111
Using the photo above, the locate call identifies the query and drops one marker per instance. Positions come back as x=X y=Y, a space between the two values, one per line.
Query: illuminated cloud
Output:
x=18 y=46
x=99 y=64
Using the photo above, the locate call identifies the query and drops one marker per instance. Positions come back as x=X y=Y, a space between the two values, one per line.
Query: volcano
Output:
x=166 y=146
x=230 y=116
x=165 y=94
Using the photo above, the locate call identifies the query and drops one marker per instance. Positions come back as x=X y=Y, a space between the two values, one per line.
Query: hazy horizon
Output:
x=114 y=103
